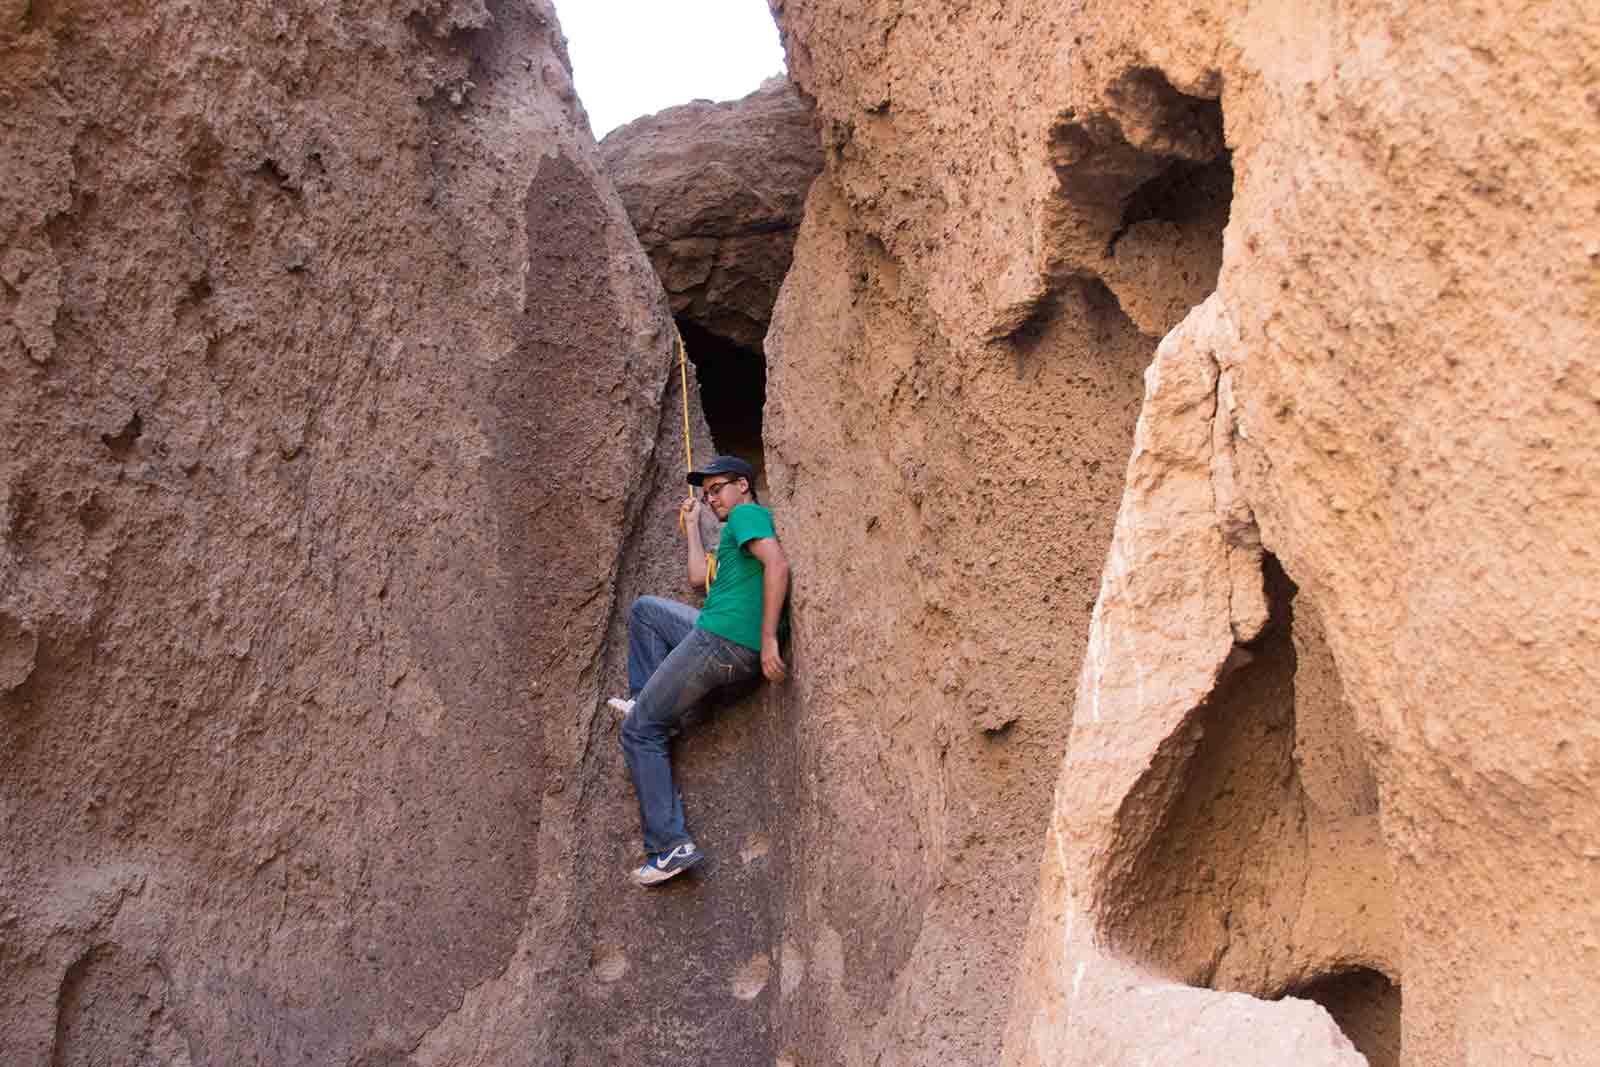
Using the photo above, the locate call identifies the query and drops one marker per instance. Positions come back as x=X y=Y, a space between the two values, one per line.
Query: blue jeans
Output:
x=672 y=664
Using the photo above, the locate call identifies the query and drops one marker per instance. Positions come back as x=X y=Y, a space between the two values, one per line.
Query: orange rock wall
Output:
x=1333 y=735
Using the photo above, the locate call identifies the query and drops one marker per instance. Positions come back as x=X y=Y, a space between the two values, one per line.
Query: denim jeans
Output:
x=672 y=664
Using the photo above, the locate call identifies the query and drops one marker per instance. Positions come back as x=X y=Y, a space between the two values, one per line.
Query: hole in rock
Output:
x=733 y=390
x=1250 y=852
x=1185 y=194
x=1366 y=1005
x=121 y=442
x=1153 y=174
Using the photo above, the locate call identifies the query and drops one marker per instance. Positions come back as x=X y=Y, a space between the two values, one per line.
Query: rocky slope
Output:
x=331 y=376
x=1326 y=692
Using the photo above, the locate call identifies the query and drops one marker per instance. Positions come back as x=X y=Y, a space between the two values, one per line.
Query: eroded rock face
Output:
x=715 y=192
x=1215 y=818
x=330 y=380
x=948 y=506
x=1328 y=738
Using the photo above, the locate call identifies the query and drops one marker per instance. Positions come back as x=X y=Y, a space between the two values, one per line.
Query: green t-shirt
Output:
x=733 y=606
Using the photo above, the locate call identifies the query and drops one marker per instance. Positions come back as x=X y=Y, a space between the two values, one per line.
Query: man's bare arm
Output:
x=689 y=516
x=774 y=588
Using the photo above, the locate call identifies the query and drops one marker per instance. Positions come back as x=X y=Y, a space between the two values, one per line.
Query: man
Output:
x=677 y=655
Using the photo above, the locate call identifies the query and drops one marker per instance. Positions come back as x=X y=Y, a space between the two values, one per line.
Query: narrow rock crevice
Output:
x=733 y=391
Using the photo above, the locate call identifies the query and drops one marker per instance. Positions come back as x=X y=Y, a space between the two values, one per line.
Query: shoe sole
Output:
x=667 y=876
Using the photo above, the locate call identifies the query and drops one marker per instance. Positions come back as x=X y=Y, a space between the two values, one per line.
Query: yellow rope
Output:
x=683 y=377
x=688 y=445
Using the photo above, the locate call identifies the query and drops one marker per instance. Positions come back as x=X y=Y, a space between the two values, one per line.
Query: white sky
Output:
x=636 y=57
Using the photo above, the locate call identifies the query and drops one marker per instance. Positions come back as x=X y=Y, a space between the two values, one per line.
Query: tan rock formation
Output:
x=331 y=382
x=948 y=507
x=1205 y=823
x=1332 y=738
x=715 y=192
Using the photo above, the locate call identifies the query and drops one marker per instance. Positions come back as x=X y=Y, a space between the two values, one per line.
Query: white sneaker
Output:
x=620 y=705
x=659 y=868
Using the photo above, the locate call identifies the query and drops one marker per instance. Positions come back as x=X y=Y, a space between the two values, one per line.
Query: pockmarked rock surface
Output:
x=331 y=385
x=1325 y=695
x=715 y=192
x=1180 y=421
x=947 y=504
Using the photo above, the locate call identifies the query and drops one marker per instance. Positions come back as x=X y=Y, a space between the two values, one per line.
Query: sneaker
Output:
x=621 y=706
x=659 y=867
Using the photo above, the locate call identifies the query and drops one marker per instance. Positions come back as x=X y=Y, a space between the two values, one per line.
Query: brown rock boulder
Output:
x=331 y=387
x=715 y=193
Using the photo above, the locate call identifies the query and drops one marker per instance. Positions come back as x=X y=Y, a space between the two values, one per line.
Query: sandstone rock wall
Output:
x=946 y=520
x=333 y=385
x=330 y=381
x=1331 y=735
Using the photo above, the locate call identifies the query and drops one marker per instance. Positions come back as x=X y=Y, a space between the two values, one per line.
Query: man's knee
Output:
x=641 y=730
x=628 y=736
x=644 y=606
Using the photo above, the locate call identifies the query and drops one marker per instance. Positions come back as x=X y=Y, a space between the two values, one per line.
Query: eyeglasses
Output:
x=712 y=489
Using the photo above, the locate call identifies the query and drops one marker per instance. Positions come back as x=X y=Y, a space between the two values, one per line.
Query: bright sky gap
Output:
x=636 y=57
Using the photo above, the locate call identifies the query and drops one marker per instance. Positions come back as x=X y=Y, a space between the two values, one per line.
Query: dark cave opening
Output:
x=733 y=391
x=1184 y=193
x=1366 y=1006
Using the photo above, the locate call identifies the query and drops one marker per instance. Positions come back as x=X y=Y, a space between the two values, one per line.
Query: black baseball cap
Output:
x=723 y=465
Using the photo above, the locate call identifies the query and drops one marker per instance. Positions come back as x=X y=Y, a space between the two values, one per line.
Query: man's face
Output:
x=722 y=492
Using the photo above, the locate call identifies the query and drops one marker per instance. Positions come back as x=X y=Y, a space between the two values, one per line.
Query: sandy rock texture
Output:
x=948 y=505
x=1326 y=693
x=715 y=192
x=331 y=382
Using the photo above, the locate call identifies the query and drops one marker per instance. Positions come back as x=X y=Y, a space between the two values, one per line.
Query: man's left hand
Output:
x=771 y=661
